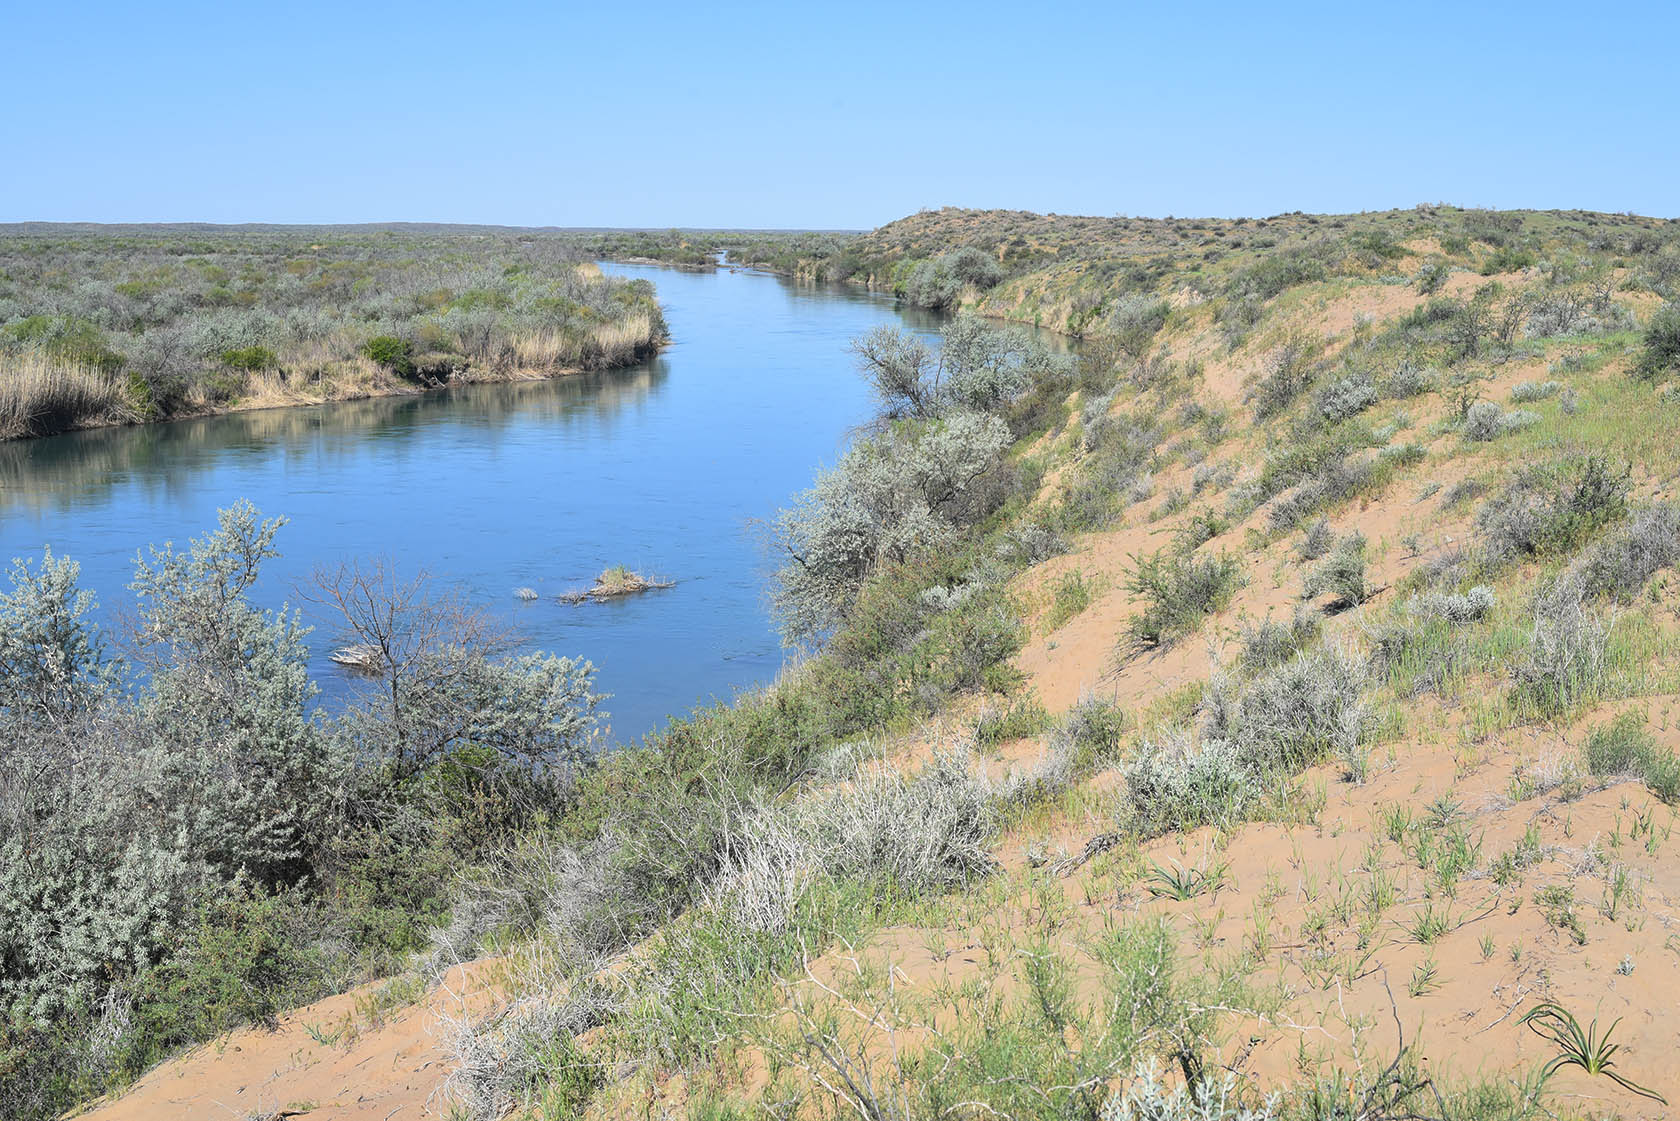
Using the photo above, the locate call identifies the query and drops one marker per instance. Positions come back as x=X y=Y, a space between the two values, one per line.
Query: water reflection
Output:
x=75 y=470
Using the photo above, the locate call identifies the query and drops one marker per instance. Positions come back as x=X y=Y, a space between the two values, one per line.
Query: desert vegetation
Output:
x=1093 y=276
x=1244 y=717
x=101 y=326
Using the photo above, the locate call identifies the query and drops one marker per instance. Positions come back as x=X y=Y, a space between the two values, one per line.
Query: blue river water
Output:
x=667 y=467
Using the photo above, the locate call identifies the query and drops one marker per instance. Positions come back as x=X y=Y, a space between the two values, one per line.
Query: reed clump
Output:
x=40 y=394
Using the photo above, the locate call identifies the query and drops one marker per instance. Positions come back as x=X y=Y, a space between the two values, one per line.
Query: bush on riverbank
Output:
x=187 y=844
x=932 y=470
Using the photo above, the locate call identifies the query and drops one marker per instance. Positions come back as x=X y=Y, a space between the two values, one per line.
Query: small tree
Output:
x=976 y=367
x=973 y=267
x=115 y=827
x=225 y=731
x=442 y=686
x=903 y=371
x=1287 y=375
x=1473 y=321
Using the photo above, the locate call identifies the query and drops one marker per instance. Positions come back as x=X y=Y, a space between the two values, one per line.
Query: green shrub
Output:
x=1276 y=272
x=1327 y=481
x=1342 y=573
x=940 y=282
x=974 y=266
x=1661 y=357
x=1507 y=259
x=1135 y=322
x=1625 y=747
x=247 y=958
x=1438 y=311
x=1097 y=727
x=67 y=338
x=223 y=386
x=966 y=649
x=1199 y=528
x=1288 y=374
x=1375 y=246
x=1237 y=315
x=1472 y=322
x=251 y=358
x=140 y=396
x=1178 y=591
x=1557 y=904
x=1553 y=508
x=1662 y=775
x=1402 y=455
x=1618 y=748
x=1022 y=718
x=1272 y=643
x=391 y=352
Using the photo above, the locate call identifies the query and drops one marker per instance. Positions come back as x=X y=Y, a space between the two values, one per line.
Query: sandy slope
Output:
x=1348 y=995
x=338 y=1058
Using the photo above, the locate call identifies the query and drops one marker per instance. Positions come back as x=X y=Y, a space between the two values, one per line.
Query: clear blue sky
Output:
x=795 y=114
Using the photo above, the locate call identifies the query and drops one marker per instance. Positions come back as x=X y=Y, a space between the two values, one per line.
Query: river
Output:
x=666 y=467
